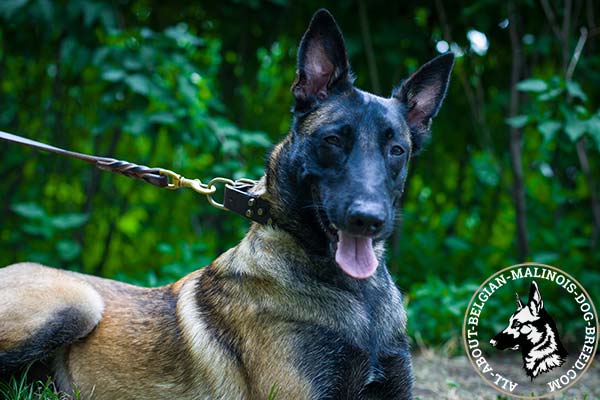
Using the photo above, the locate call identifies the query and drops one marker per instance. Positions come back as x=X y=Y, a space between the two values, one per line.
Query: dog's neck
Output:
x=273 y=254
x=545 y=353
x=291 y=201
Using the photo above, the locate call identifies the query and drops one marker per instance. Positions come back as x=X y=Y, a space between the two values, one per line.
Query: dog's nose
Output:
x=365 y=219
x=493 y=342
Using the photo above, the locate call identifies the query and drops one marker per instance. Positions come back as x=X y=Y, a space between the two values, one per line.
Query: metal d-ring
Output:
x=211 y=184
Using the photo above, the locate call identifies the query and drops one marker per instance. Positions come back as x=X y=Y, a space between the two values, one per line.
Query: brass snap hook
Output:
x=178 y=181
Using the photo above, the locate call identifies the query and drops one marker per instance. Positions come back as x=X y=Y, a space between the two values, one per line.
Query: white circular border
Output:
x=464 y=332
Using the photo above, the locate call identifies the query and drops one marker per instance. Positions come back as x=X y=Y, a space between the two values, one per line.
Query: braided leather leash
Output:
x=236 y=195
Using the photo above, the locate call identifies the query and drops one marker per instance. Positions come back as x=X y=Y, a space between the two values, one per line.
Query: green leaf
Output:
x=255 y=139
x=451 y=383
x=230 y=147
x=113 y=75
x=68 y=250
x=139 y=84
x=181 y=35
x=163 y=118
x=532 y=85
x=548 y=129
x=548 y=257
x=165 y=248
x=130 y=223
x=68 y=221
x=10 y=7
x=132 y=64
x=485 y=169
x=29 y=210
x=550 y=95
x=517 y=122
x=38 y=229
x=448 y=217
x=576 y=91
x=457 y=244
x=575 y=128
x=581 y=111
x=593 y=127
x=137 y=123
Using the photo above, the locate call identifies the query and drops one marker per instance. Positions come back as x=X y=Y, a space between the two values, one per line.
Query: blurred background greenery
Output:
x=511 y=175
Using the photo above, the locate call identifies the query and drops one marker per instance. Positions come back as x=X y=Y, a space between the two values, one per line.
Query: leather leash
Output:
x=236 y=196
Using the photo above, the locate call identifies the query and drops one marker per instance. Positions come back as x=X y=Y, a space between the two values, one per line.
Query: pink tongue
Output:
x=355 y=255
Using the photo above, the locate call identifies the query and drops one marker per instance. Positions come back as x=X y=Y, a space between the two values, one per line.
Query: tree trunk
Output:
x=516 y=138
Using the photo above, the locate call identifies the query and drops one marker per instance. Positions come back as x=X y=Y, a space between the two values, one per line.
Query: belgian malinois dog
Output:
x=305 y=304
x=532 y=331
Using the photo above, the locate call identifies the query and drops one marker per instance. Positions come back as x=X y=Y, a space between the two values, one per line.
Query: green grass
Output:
x=18 y=388
x=273 y=392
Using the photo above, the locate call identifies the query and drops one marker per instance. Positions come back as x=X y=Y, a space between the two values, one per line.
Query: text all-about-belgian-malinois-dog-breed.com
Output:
x=304 y=304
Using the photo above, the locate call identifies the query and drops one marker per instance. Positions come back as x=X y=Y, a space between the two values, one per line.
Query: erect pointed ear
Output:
x=322 y=60
x=423 y=93
x=519 y=302
x=535 y=303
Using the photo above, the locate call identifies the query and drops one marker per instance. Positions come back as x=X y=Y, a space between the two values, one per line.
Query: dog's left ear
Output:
x=535 y=299
x=422 y=95
x=519 y=302
x=322 y=60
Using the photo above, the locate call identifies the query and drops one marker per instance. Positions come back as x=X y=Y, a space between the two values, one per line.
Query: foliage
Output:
x=203 y=89
x=437 y=308
x=18 y=388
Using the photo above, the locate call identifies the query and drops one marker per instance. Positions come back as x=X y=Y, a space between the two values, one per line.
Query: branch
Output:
x=580 y=145
x=551 y=18
x=565 y=31
x=585 y=168
x=516 y=139
x=366 y=34
x=577 y=53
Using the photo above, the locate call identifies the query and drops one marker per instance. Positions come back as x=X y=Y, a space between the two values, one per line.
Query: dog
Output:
x=303 y=306
x=533 y=331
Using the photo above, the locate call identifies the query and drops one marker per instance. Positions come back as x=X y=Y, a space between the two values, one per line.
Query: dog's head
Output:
x=525 y=326
x=346 y=159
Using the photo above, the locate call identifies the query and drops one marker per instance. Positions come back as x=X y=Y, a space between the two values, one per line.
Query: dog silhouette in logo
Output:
x=533 y=331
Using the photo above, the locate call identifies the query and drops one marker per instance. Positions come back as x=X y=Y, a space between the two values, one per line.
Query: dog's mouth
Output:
x=354 y=254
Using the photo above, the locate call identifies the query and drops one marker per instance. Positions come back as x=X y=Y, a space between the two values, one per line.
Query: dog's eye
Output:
x=397 y=150
x=516 y=325
x=333 y=140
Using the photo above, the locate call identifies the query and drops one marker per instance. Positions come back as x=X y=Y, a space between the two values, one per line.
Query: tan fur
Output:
x=31 y=293
x=157 y=342
x=322 y=116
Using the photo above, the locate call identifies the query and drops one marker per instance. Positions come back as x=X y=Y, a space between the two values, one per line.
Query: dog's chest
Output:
x=345 y=357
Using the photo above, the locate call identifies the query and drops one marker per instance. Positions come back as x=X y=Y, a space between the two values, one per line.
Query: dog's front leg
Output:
x=396 y=380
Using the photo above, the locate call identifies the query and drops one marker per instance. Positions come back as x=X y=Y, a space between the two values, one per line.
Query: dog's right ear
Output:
x=322 y=60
